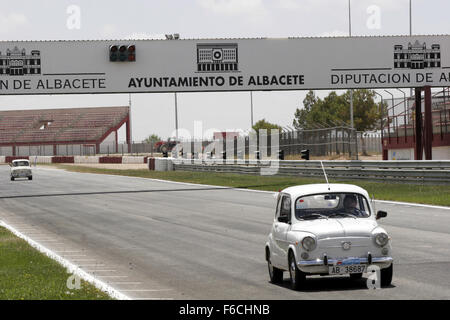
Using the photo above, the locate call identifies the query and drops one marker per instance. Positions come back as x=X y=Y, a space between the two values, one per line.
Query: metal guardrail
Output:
x=396 y=171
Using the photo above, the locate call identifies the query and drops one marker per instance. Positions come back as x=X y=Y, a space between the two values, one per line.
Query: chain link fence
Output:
x=328 y=143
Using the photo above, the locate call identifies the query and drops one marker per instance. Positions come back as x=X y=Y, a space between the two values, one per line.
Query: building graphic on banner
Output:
x=417 y=56
x=17 y=62
x=217 y=57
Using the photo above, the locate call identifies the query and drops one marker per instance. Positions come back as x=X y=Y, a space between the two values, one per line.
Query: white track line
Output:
x=71 y=268
x=146 y=290
x=413 y=204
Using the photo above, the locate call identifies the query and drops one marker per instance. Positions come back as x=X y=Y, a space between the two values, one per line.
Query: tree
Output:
x=334 y=110
x=263 y=124
x=301 y=115
x=152 y=139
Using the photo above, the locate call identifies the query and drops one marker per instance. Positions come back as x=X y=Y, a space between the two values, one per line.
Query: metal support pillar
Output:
x=428 y=130
x=128 y=134
x=418 y=150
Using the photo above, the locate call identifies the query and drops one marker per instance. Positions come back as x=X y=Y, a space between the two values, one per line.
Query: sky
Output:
x=151 y=19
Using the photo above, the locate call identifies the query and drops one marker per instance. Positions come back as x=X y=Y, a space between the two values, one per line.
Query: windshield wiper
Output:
x=342 y=214
x=318 y=215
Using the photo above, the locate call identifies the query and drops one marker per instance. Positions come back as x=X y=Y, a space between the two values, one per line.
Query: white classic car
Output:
x=21 y=169
x=327 y=229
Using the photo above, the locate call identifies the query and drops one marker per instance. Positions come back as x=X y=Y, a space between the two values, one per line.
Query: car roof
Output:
x=306 y=189
x=17 y=160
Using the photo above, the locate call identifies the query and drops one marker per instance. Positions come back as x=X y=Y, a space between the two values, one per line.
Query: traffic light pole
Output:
x=176 y=117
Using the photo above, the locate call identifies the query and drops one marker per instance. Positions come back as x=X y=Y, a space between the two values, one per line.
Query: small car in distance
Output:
x=21 y=168
x=327 y=229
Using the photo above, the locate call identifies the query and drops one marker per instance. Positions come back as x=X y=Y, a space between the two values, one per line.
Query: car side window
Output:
x=364 y=207
x=285 y=206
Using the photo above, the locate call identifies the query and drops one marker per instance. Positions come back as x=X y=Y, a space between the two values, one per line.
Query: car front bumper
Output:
x=21 y=174
x=320 y=266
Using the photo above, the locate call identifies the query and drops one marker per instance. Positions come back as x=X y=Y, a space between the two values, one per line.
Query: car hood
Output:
x=337 y=227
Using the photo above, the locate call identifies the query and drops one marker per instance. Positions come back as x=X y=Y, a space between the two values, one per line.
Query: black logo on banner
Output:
x=213 y=57
x=417 y=56
x=17 y=62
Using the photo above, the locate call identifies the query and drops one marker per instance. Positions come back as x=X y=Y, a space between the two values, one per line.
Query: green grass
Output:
x=407 y=192
x=27 y=274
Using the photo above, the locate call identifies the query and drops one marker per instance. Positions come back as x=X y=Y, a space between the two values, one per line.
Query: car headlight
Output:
x=309 y=243
x=381 y=239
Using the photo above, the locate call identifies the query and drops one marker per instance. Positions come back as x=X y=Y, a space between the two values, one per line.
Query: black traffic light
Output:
x=131 y=50
x=280 y=154
x=113 y=53
x=305 y=154
x=122 y=53
x=224 y=155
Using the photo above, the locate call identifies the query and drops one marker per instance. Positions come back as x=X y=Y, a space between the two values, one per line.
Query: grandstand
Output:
x=75 y=131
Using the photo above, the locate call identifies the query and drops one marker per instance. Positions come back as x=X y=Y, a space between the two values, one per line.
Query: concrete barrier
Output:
x=133 y=160
x=117 y=160
x=86 y=159
x=41 y=159
x=169 y=164
x=151 y=163
x=161 y=164
x=2 y=159
x=63 y=159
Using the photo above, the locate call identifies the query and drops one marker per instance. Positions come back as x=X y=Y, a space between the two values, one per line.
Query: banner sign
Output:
x=132 y=66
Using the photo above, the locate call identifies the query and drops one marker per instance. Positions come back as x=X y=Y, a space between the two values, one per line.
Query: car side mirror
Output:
x=284 y=219
x=381 y=214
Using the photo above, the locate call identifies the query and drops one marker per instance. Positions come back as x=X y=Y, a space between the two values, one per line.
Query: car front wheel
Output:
x=298 y=278
x=30 y=178
x=12 y=178
x=386 y=275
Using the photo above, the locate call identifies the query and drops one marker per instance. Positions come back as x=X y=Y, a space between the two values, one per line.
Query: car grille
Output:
x=334 y=249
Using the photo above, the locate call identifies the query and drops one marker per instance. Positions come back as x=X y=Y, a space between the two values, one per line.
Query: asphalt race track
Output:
x=160 y=240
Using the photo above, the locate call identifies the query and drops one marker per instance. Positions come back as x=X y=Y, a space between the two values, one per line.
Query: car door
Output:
x=280 y=229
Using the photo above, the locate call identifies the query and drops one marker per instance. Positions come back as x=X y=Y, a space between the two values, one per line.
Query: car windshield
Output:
x=21 y=163
x=332 y=205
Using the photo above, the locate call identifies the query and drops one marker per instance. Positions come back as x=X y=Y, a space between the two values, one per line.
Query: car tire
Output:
x=12 y=178
x=297 y=277
x=30 y=178
x=356 y=276
x=386 y=275
x=275 y=274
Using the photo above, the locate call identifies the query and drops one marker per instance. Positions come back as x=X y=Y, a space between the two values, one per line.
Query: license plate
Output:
x=346 y=269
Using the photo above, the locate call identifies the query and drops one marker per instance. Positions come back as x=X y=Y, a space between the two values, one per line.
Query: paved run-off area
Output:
x=160 y=240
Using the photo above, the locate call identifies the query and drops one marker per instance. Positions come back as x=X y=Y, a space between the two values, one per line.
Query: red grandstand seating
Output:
x=65 y=126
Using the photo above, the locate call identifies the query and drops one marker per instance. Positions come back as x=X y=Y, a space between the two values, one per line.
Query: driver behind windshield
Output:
x=350 y=205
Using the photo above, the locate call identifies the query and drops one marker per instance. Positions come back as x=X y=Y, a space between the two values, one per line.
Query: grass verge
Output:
x=27 y=274
x=415 y=193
